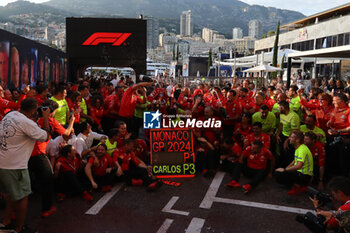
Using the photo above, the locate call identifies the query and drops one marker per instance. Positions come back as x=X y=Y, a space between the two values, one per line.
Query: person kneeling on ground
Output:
x=300 y=171
x=340 y=188
x=99 y=170
x=257 y=157
x=68 y=170
x=131 y=169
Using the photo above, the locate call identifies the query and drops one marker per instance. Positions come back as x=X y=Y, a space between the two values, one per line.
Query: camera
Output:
x=336 y=141
x=312 y=222
x=323 y=198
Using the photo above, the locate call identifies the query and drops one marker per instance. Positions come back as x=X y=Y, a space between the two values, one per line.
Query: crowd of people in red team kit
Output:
x=299 y=135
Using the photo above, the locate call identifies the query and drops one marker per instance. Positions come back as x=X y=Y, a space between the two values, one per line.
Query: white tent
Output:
x=263 y=68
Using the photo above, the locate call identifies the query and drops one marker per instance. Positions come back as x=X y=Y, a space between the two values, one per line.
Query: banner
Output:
x=25 y=62
x=172 y=153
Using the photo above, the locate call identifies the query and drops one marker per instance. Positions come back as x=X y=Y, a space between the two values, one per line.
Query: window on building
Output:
x=334 y=41
x=340 y=39
x=328 y=42
x=320 y=43
x=311 y=45
x=346 y=39
x=286 y=46
x=296 y=46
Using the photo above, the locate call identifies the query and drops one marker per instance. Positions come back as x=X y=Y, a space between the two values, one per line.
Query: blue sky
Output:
x=307 y=7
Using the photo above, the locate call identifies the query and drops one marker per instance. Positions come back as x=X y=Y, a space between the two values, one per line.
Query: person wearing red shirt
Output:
x=128 y=103
x=131 y=169
x=257 y=135
x=230 y=153
x=99 y=169
x=246 y=84
x=232 y=106
x=257 y=159
x=243 y=128
x=42 y=92
x=205 y=152
x=104 y=90
x=123 y=133
x=212 y=134
x=313 y=102
x=340 y=116
x=199 y=90
x=198 y=106
x=73 y=102
x=6 y=105
x=246 y=101
x=141 y=150
x=233 y=111
x=184 y=100
x=259 y=100
x=67 y=172
x=111 y=108
x=323 y=114
x=96 y=112
x=339 y=125
x=340 y=189
x=158 y=94
x=319 y=154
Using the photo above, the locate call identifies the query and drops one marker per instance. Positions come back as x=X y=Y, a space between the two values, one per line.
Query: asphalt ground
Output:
x=199 y=204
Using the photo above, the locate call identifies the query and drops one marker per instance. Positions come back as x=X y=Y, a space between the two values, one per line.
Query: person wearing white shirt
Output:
x=85 y=139
x=54 y=146
x=18 y=134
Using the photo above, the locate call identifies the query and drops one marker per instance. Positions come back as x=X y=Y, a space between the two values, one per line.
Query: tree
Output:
x=275 y=50
x=275 y=46
x=270 y=33
x=263 y=36
x=210 y=59
x=283 y=60
x=174 y=52
x=282 y=64
x=177 y=53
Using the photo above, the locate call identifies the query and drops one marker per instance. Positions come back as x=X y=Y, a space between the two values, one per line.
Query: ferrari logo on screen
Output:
x=114 y=38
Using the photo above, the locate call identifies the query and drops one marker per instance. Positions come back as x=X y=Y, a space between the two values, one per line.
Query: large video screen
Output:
x=106 y=38
x=24 y=62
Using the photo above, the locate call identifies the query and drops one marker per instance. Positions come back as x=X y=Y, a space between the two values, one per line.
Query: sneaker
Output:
x=233 y=184
x=246 y=188
x=61 y=196
x=154 y=186
x=294 y=191
x=26 y=229
x=106 y=188
x=52 y=210
x=9 y=228
x=302 y=189
x=135 y=182
x=87 y=196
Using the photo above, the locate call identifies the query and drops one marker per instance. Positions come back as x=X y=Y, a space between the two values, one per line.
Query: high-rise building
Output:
x=49 y=34
x=208 y=35
x=152 y=32
x=186 y=23
x=255 y=29
x=237 y=33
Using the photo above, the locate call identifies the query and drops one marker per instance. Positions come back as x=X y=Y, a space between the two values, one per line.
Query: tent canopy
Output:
x=264 y=68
